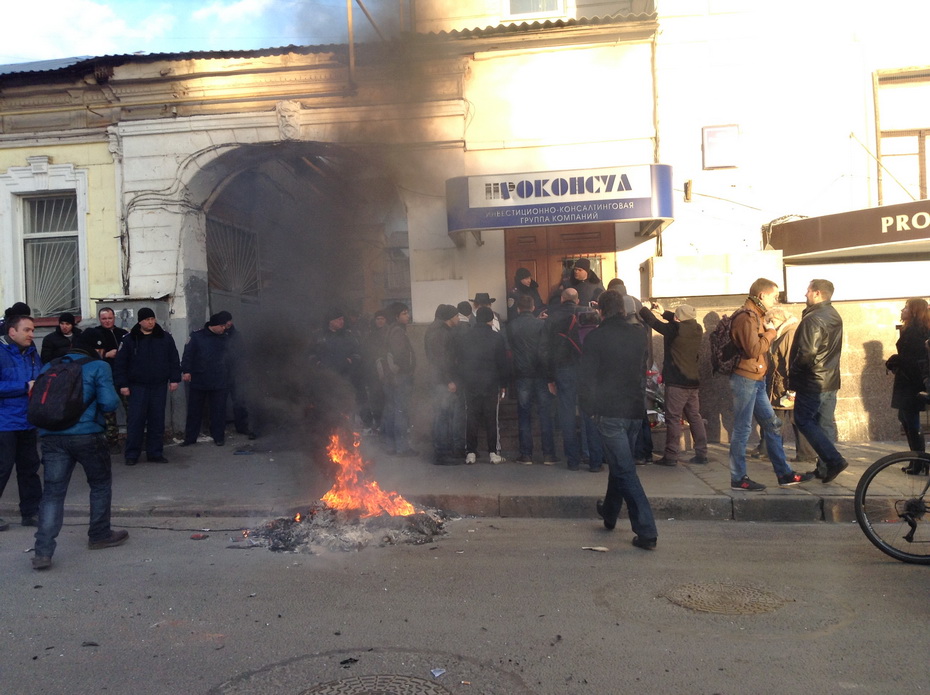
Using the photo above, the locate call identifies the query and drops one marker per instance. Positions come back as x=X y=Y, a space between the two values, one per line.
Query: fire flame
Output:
x=350 y=492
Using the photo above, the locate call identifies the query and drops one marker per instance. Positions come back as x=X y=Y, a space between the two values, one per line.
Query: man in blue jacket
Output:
x=145 y=369
x=204 y=367
x=19 y=366
x=84 y=442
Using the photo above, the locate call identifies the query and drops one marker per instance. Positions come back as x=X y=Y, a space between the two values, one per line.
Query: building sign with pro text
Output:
x=547 y=198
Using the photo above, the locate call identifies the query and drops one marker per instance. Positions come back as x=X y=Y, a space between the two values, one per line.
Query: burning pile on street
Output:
x=354 y=514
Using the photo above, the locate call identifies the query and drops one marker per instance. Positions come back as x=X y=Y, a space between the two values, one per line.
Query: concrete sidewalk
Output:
x=269 y=477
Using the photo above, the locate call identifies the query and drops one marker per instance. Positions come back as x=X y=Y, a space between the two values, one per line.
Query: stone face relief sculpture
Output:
x=288 y=119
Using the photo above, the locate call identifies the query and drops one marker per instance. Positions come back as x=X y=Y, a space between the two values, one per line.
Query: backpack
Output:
x=57 y=398
x=724 y=353
x=579 y=327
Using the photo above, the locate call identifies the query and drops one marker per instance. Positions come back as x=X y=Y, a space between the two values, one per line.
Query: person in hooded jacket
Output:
x=681 y=335
x=57 y=343
x=146 y=367
x=524 y=285
x=204 y=368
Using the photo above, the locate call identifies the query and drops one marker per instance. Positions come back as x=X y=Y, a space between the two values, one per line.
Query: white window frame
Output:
x=506 y=14
x=39 y=178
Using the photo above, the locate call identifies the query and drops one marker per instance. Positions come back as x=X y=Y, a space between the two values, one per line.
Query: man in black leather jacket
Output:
x=814 y=374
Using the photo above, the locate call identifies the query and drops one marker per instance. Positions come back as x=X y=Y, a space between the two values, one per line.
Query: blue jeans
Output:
x=146 y=414
x=529 y=390
x=814 y=416
x=566 y=385
x=60 y=453
x=750 y=398
x=19 y=450
x=618 y=436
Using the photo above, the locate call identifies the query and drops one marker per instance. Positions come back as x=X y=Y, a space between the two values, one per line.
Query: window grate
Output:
x=232 y=259
x=51 y=256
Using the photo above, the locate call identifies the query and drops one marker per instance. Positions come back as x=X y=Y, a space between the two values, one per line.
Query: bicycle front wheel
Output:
x=891 y=507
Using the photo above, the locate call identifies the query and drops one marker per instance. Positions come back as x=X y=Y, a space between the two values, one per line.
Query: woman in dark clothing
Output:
x=910 y=369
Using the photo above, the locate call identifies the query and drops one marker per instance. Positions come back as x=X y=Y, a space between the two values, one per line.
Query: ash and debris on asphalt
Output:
x=323 y=528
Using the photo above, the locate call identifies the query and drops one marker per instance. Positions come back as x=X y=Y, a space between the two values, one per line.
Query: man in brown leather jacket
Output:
x=753 y=335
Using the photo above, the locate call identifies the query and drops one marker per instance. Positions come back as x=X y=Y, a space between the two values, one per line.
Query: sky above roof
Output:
x=48 y=29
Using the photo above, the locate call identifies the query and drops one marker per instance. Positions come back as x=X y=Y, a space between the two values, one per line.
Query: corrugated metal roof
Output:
x=84 y=63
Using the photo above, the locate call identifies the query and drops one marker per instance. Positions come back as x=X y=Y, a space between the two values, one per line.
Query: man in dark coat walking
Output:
x=204 y=368
x=613 y=388
x=145 y=369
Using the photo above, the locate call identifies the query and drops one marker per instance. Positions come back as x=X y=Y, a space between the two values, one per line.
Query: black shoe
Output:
x=794 y=479
x=595 y=469
x=833 y=471
x=131 y=462
x=609 y=525
x=157 y=459
x=187 y=443
x=41 y=562
x=702 y=460
x=665 y=462
x=115 y=538
x=30 y=521
x=916 y=468
x=645 y=461
x=644 y=543
x=746 y=484
x=219 y=442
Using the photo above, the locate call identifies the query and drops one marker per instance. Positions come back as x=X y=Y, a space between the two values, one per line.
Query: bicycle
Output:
x=891 y=507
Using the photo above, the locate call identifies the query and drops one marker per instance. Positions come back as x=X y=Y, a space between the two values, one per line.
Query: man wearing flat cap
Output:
x=204 y=368
x=58 y=342
x=681 y=334
x=146 y=367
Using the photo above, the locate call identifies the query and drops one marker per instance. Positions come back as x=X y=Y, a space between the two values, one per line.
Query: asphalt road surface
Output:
x=507 y=606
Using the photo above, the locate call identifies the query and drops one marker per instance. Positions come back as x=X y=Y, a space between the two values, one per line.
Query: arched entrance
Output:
x=291 y=229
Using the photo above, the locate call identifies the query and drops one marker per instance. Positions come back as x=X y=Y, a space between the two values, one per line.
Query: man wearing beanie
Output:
x=584 y=280
x=83 y=443
x=445 y=391
x=58 y=342
x=681 y=334
x=145 y=369
x=203 y=367
x=523 y=285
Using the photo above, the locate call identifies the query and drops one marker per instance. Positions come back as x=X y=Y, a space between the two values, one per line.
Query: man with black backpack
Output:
x=67 y=442
x=19 y=366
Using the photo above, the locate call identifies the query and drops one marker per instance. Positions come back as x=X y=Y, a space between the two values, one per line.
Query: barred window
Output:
x=51 y=255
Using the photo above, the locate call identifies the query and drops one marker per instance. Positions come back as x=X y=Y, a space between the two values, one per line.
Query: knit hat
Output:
x=444 y=312
x=484 y=315
x=464 y=308
x=522 y=274
x=583 y=263
x=66 y=317
x=216 y=320
x=145 y=313
x=18 y=309
x=225 y=316
x=685 y=312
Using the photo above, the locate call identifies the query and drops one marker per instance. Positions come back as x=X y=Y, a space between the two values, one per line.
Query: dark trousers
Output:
x=240 y=412
x=619 y=437
x=146 y=415
x=216 y=399
x=19 y=449
x=481 y=411
x=814 y=416
x=60 y=453
x=910 y=421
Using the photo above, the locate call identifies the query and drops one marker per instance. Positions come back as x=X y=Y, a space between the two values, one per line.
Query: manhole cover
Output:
x=728 y=599
x=378 y=685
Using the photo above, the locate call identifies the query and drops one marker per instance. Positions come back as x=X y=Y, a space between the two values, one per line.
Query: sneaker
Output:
x=833 y=471
x=746 y=484
x=794 y=479
x=115 y=538
x=665 y=462
x=497 y=458
x=30 y=520
x=3 y=525
x=644 y=461
x=644 y=543
x=551 y=460
x=599 y=507
x=41 y=562
x=471 y=458
x=702 y=460
x=525 y=460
